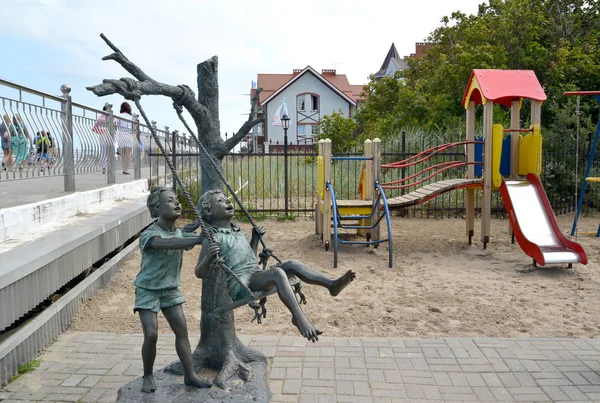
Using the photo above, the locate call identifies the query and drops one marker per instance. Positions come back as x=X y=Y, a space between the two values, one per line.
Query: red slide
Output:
x=534 y=223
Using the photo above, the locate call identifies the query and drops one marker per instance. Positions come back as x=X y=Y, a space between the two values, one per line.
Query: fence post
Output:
x=67 y=140
x=137 y=161
x=403 y=172
x=110 y=149
x=174 y=158
x=186 y=150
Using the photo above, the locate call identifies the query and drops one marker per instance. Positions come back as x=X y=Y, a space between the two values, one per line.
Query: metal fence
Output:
x=48 y=135
x=260 y=182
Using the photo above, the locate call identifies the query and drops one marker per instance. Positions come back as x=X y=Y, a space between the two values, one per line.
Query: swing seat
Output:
x=256 y=296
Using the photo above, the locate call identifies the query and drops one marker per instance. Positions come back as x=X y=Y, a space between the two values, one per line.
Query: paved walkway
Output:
x=91 y=367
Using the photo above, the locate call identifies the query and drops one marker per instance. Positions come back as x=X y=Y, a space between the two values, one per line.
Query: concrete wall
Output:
x=23 y=222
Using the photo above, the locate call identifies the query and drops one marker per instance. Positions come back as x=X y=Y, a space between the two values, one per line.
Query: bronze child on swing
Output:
x=240 y=256
x=157 y=284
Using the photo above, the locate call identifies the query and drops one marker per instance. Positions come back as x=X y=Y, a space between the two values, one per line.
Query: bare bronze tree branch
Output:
x=248 y=124
x=133 y=89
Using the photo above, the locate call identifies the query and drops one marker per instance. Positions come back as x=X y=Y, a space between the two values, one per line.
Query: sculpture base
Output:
x=170 y=389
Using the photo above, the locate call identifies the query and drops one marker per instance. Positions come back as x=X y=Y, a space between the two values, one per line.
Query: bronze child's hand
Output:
x=213 y=251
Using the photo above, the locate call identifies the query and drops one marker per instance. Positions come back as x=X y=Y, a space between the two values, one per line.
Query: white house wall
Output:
x=329 y=102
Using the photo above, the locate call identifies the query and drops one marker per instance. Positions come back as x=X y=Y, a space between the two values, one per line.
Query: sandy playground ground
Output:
x=439 y=286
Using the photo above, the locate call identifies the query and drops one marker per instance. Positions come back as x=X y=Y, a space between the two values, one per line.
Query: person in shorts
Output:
x=157 y=284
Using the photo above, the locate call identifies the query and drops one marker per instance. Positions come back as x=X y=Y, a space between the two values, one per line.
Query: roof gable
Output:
x=342 y=80
x=502 y=87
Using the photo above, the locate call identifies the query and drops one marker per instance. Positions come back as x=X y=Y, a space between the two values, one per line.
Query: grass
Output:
x=286 y=217
x=259 y=180
x=25 y=368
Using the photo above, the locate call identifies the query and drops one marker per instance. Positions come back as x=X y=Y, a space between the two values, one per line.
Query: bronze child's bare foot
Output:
x=193 y=380
x=341 y=283
x=149 y=386
x=306 y=328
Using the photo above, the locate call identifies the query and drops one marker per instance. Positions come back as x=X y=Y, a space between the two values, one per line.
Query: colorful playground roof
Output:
x=502 y=87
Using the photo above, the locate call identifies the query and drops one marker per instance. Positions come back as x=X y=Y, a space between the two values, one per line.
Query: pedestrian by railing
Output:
x=49 y=135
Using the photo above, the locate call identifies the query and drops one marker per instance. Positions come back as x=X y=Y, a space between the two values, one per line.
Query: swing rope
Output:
x=219 y=262
x=577 y=112
x=178 y=106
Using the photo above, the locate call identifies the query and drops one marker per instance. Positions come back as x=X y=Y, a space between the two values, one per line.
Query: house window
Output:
x=301 y=102
x=308 y=102
x=306 y=133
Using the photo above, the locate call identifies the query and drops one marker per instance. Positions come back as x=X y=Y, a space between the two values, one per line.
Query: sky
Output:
x=47 y=43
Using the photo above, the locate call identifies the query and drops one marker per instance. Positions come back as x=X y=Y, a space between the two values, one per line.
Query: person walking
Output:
x=43 y=148
x=6 y=144
x=126 y=135
x=24 y=141
x=12 y=142
x=106 y=145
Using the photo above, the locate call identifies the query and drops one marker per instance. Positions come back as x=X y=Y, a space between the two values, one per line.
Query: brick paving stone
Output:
x=509 y=380
x=404 y=364
x=344 y=388
x=576 y=378
x=361 y=388
x=291 y=387
x=484 y=394
x=321 y=390
x=442 y=379
x=419 y=364
x=357 y=362
x=502 y=395
x=414 y=392
x=431 y=393
x=555 y=393
x=289 y=373
x=573 y=392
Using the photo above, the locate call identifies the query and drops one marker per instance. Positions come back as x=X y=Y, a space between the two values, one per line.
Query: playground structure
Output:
x=586 y=177
x=532 y=220
x=519 y=154
x=363 y=215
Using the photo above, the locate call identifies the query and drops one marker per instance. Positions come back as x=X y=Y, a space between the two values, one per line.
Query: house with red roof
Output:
x=306 y=95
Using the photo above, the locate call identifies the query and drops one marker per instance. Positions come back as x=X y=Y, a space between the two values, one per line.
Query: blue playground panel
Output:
x=504 y=159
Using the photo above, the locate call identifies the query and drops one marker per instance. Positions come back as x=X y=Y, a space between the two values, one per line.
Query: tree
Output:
x=340 y=130
x=558 y=39
x=218 y=348
x=204 y=110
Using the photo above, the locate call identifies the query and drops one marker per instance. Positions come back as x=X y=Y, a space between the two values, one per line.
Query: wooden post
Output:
x=536 y=119
x=515 y=124
x=327 y=197
x=318 y=207
x=376 y=178
x=367 y=184
x=486 y=208
x=470 y=208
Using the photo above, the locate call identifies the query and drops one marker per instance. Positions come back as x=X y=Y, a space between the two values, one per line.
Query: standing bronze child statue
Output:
x=240 y=256
x=157 y=284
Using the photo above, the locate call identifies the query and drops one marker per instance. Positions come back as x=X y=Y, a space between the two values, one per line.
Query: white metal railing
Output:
x=80 y=139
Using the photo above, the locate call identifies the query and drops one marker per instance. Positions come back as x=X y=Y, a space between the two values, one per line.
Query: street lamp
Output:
x=285 y=123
